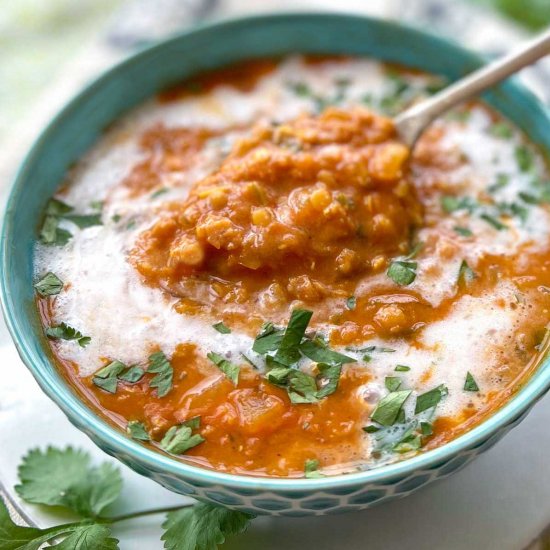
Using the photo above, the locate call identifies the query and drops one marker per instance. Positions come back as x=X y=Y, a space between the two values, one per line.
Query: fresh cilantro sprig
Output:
x=67 y=478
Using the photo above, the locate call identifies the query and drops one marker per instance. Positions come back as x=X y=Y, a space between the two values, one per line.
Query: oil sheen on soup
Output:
x=251 y=273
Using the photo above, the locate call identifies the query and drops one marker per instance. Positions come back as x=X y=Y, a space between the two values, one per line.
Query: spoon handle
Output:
x=412 y=122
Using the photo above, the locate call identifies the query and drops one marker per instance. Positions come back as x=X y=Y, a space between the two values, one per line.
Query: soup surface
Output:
x=251 y=273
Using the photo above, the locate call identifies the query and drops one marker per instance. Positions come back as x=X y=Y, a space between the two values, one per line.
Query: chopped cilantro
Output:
x=55 y=207
x=268 y=339
x=323 y=354
x=524 y=158
x=221 y=328
x=311 y=469
x=164 y=373
x=392 y=383
x=288 y=351
x=402 y=272
x=402 y=368
x=49 y=285
x=137 y=430
x=465 y=274
x=491 y=220
x=470 y=384
x=84 y=220
x=351 y=303
x=528 y=198
x=502 y=181
x=371 y=429
x=159 y=192
x=229 y=369
x=132 y=375
x=501 y=130
x=65 y=332
x=450 y=203
x=388 y=408
x=330 y=377
x=463 y=231
x=300 y=386
x=106 y=378
x=426 y=428
x=430 y=399
x=180 y=438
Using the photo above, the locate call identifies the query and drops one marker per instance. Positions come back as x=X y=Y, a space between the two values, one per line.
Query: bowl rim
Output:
x=113 y=440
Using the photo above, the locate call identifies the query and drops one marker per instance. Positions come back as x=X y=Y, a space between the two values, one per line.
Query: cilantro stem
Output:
x=152 y=512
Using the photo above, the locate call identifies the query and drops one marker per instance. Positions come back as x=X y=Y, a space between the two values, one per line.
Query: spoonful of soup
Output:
x=412 y=122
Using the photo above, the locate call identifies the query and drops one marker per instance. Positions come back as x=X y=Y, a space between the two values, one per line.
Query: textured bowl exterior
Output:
x=82 y=122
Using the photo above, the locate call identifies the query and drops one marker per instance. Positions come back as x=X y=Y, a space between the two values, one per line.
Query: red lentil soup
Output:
x=251 y=273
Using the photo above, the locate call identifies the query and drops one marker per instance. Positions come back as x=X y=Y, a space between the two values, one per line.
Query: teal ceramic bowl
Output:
x=82 y=122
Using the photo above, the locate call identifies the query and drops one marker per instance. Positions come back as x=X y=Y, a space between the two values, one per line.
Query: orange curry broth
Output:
x=286 y=222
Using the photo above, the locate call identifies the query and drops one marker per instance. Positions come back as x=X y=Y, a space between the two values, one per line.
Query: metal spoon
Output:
x=412 y=122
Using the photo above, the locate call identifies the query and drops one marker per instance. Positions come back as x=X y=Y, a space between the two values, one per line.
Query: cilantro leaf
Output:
x=351 y=303
x=159 y=365
x=55 y=207
x=107 y=377
x=229 y=369
x=15 y=537
x=470 y=384
x=451 y=204
x=49 y=285
x=388 y=408
x=65 y=332
x=84 y=220
x=392 y=383
x=465 y=274
x=311 y=469
x=501 y=130
x=410 y=442
x=502 y=181
x=268 y=339
x=462 y=231
x=288 y=352
x=524 y=158
x=371 y=429
x=221 y=328
x=300 y=386
x=330 y=373
x=430 y=399
x=51 y=233
x=137 y=430
x=132 y=375
x=179 y=439
x=66 y=478
x=402 y=368
x=89 y=537
x=426 y=428
x=402 y=272
x=322 y=354
x=495 y=222
x=202 y=527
